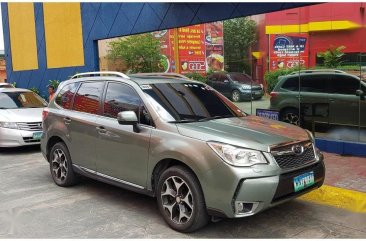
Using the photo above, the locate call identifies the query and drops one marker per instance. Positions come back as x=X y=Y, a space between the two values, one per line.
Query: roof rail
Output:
x=100 y=73
x=172 y=75
x=318 y=70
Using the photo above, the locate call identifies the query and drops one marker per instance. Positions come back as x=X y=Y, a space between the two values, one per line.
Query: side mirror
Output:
x=361 y=94
x=128 y=118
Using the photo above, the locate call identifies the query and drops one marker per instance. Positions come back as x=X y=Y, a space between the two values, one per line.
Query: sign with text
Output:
x=269 y=114
x=287 y=51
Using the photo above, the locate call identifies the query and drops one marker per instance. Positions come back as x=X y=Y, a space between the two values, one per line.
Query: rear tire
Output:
x=291 y=116
x=180 y=200
x=61 y=166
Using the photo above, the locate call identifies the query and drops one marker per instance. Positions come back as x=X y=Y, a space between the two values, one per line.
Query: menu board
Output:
x=200 y=48
x=287 y=51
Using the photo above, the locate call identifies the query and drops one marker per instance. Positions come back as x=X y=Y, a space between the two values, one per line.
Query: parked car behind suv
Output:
x=179 y=141
x=237 y=86
x=20 y=117
x=327 y=96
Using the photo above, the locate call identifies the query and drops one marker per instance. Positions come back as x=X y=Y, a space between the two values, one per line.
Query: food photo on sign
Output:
x=215 y=58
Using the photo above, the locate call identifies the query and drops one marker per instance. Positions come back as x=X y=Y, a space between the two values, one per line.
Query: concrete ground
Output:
x=32 y=206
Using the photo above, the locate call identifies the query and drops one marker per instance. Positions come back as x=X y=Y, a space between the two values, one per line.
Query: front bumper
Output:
x=249 y=95
x=16 y=137
x=256 y=189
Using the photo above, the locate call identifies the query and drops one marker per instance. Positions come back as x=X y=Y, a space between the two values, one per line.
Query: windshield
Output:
x=14 y=100
x=241 y=78
x=189 y=102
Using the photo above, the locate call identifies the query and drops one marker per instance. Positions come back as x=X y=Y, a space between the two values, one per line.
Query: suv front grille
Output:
x=287 y=159
x=30 y=126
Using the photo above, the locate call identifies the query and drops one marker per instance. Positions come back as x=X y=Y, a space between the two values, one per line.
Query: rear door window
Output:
x=65 y=96
x=313 y=83
x=88 y=96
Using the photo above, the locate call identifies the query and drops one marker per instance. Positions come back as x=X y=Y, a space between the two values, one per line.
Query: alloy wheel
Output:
x=236 y=96
x=292 y=118
x=59 y=165
x=177 y=200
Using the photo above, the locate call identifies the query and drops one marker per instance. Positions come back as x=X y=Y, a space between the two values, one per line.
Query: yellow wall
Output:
x=22 y=36
x=63 y=33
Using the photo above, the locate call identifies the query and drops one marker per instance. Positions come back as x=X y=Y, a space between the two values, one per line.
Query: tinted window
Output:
x=189 y=102
x=120 y=97
x=15 y=100
x=313 y=83
x=343 y=85
x=222 y=77
x=88 y=96
x=241 y=78
x=64 y=97
x=291 y=84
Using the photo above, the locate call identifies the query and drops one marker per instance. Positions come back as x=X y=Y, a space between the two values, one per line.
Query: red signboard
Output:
x=287 y=51
x=200 y=48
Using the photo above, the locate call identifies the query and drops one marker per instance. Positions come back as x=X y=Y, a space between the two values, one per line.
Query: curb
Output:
x=338 y=197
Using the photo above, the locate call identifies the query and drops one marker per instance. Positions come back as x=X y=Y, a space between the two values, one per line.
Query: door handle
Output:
x=331 y=100
x=101 y=130
x=67 y=120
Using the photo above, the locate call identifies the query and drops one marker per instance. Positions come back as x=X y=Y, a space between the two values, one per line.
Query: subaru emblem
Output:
x=297 y=149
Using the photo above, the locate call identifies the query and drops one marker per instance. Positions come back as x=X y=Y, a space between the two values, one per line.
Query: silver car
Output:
x=20 y=117
x=6 y=85
x=177 y=140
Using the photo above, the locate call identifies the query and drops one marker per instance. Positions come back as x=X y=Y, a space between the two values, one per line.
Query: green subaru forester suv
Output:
x=177 y=140
x=325 y=96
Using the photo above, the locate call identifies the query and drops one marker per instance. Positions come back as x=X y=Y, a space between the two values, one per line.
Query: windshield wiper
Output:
x=215 y=117
x=183 y=121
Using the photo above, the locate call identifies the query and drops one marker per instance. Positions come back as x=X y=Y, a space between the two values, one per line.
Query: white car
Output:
x=20 y=117
x=6 y=85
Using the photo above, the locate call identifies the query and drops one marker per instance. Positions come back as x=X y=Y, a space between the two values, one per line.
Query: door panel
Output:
x=121 y=152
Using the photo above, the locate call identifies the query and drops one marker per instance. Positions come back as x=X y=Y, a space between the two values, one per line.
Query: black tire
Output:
x=235 y=96
x=198 y=213
x=64 y=176
x=291 y=116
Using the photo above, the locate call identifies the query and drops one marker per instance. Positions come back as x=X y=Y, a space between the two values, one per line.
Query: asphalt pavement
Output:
x=32 y=206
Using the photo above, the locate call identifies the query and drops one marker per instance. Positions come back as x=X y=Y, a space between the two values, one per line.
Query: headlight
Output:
x=9 y=125
x=237 y=156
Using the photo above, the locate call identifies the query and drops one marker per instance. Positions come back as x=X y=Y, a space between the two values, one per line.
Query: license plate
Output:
x=37 y=135
x=303 y=181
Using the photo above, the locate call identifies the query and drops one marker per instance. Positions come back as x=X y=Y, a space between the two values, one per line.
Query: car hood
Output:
x=21 y=115
x=251 y=132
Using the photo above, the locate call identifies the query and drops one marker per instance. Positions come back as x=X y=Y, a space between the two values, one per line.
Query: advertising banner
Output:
x=287 y=51
x=200 y=48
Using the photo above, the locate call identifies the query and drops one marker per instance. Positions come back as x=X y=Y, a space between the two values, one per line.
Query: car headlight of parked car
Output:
x=9 y=125
x=237 y=156
x=311 y=136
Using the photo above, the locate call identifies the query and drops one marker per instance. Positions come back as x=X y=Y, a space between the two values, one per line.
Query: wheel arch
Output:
x=51 y=142
x=164 y=164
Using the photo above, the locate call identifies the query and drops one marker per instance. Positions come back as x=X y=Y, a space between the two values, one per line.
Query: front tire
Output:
x=61 y=166
x=180 y=200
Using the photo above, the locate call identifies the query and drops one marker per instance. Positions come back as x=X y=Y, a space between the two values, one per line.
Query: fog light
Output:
x=246 y=208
